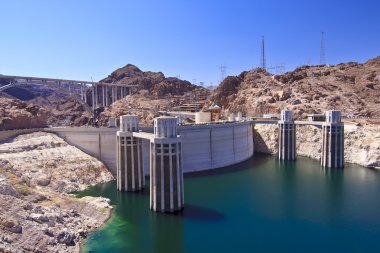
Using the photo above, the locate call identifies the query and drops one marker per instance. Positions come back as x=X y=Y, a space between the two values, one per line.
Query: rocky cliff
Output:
x=155 y=93
x=16 y=114
x=353 y=88
x=155 y=83
x=62 y=110
x=146 y=106
x=362 y=143
x=37 y=213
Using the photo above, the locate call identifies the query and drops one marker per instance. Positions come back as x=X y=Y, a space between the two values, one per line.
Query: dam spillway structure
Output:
x=333 y=141
x=130 y=176
x=287 y=136
x=166 y=176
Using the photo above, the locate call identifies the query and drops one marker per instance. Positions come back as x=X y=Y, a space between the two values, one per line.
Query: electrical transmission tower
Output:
x=322 y=53
x=223 y=71
x=263 y=63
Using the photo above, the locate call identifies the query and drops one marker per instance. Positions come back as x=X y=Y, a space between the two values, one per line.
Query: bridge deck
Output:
x=47 y=80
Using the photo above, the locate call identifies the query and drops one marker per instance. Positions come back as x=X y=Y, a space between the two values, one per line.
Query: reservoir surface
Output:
x=261 y=205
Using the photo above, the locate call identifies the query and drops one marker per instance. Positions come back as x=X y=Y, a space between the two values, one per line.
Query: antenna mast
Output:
x=322 y=53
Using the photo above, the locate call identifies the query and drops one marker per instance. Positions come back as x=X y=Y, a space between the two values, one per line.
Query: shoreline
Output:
x=110 y=213
x=37 y=173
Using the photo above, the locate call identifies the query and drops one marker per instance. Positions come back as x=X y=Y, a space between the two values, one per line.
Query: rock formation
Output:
x=350 y=87
x=62 y=110
x=155 y=83
x=362 y=143
x=16 y=114
x=37 y=213
x=164 y=92
x=155 y=93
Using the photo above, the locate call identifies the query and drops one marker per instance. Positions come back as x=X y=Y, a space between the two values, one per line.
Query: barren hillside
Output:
x=157 y=85
x=16 y=114
x=351 y=87
x=155 y=93
x=37 y=171
x=60 y=108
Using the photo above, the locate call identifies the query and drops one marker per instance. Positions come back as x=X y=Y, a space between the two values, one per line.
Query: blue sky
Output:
x=82 y=39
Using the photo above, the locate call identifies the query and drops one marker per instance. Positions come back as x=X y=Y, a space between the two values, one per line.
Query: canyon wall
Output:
x=361 y=144
x=37 y=213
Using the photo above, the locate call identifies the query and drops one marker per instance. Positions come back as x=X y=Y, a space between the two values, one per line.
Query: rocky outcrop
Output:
x=16 y=114
x=60 y=109
x=352 y=88
x=163 y=92
x=157 y=85
x=265 y=138
x=362 y=143
x=63 y=110
x=155 y=92
x=37 y=213
x=147 y=106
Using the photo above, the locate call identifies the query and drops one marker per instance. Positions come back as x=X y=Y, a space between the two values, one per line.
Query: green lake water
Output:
x=261 y=205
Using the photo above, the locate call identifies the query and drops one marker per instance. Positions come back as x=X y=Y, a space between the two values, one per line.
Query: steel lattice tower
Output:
x=223 y=72
x=263 y=63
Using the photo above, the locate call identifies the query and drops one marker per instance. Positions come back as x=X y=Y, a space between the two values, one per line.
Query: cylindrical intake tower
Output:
x=333 y=141
x=130 y=176
x=166 y=177
x=287 y=136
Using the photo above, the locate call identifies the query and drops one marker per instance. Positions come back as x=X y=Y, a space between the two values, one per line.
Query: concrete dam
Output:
x=204 y=147
x=168 y=150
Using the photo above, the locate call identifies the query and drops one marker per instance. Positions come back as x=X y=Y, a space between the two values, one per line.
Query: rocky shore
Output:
x=361 y=145
x=37 y=212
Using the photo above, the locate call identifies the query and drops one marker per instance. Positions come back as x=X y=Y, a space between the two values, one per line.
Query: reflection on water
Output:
x=162 y=230
x=261 y=205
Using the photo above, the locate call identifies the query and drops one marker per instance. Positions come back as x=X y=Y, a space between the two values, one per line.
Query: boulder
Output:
x=66 y=237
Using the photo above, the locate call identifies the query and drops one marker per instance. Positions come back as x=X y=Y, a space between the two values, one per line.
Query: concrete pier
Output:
x=166 y=177
x=107 y=96
x=287 y=136
x=130 y=176
x=103 y=96
x=93 y=97
x=333 y=141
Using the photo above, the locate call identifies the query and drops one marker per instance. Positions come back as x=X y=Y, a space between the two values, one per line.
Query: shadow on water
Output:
x=194 y=212
x=190 y=211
